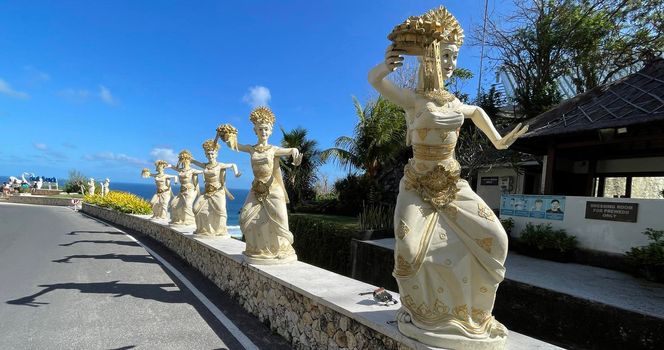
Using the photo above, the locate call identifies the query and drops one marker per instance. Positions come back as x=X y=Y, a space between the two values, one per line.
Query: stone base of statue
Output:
x=494 y=340
x=254 y=260
x=211 y=235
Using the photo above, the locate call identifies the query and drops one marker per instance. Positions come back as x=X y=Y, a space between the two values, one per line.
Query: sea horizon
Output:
x=147 y=189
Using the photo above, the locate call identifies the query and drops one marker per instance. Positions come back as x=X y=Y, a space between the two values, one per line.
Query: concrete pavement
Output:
x=69 y=281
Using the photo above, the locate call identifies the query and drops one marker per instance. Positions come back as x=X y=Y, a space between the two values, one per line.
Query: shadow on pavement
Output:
x=147 y=259
x=126 y=243
x=142 y=291
x=75 y=233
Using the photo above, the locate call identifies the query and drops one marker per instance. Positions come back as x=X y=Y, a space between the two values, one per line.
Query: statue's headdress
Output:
x=422 y=36
x=262 y=115
x=185 y=155
x=416 y=33
x=209 y=145
x=160 y=162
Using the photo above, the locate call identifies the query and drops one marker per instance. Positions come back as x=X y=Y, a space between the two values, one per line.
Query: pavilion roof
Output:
x=635 y=99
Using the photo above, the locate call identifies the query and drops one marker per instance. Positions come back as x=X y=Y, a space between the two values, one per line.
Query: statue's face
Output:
x=160 y=167
x=186 y=162
x=263 y=131
x=448 y=59
x=211 y=154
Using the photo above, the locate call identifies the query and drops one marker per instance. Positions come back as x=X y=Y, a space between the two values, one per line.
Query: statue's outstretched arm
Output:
x=232 y=166
x=393 y=60
x=483 y=122
x=294 y=152
x=242 y=148
x=197 y=163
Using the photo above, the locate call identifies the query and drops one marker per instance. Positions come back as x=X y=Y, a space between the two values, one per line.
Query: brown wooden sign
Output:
x=612 y=211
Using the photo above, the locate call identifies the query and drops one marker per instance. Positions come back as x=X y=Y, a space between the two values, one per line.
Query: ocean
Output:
x=147 y=190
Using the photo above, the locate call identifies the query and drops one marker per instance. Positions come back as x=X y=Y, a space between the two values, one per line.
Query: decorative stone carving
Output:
x=263 y=218
x=182 y=212
x=210 y=207
x=162 y=197
x=449 y=256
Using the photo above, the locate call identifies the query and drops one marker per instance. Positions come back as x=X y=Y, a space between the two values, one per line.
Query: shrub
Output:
x=323 y=242
x=376 y=217
x=508 y=225
x=352 y=190
x=121 y=201
x=544 y=237
x=75 y=183
x=648 y=261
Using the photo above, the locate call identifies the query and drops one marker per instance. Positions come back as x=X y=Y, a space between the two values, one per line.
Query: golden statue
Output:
x=162 y=198
x=450 y=247
x=264 y=219
x=210 y=208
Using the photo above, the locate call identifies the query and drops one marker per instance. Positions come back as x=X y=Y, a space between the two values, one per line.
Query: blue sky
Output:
x=107 y=87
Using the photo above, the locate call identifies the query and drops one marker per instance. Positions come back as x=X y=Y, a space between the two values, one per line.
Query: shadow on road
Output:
x=126 y=243
x=147 y=259
x=117 y=289
x=75 y=233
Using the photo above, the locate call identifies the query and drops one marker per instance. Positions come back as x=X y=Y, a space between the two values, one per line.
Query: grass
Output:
x=347 y=222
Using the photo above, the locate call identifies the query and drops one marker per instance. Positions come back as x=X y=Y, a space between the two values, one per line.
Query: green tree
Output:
x=76 y=182
x=300 y=180
x=591 y=41
x=378 y=137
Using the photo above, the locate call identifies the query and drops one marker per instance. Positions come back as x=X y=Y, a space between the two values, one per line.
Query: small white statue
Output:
x=450 y=247
x=264 y=218
x=162 y=198
x=210 y=208
x=105 y=187
x=91 y=186
x=40 y=183
x=182 y=205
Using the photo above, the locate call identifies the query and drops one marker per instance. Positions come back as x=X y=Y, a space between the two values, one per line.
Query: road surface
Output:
x=68 y=281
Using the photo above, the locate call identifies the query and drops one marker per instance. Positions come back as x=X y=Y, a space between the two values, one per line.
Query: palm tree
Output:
x=300 y=180
x=378 y=138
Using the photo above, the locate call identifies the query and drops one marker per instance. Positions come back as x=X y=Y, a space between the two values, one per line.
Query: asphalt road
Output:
x=68 y=281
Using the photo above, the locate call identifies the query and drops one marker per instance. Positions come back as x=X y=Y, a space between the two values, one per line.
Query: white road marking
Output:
x=230 y=326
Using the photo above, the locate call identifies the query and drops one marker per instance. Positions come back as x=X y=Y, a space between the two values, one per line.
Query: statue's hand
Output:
x=393 y=58
x=297 y=156
x=238 y=174
x=509 y=139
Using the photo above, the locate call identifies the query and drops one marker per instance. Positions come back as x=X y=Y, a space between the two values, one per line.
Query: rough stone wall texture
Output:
x=63 y=202
x=305 y=323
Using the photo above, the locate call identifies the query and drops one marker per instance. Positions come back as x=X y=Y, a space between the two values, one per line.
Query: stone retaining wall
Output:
x=40 y=200
x=311 y=307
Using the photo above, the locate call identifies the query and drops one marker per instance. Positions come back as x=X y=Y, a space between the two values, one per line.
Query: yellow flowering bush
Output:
x=121 y=201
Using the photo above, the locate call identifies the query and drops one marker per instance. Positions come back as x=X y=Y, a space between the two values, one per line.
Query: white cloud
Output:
x=166 y=154
x=105 y=95
x=47 y=153
x=7 y=89
x=74 y=94
x=35 y=75
x=118 y=158
x=257 y=96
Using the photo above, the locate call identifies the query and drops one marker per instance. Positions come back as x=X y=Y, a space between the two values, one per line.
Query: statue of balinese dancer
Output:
x=210 y=208
x=450 y=247
x=263 y=218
